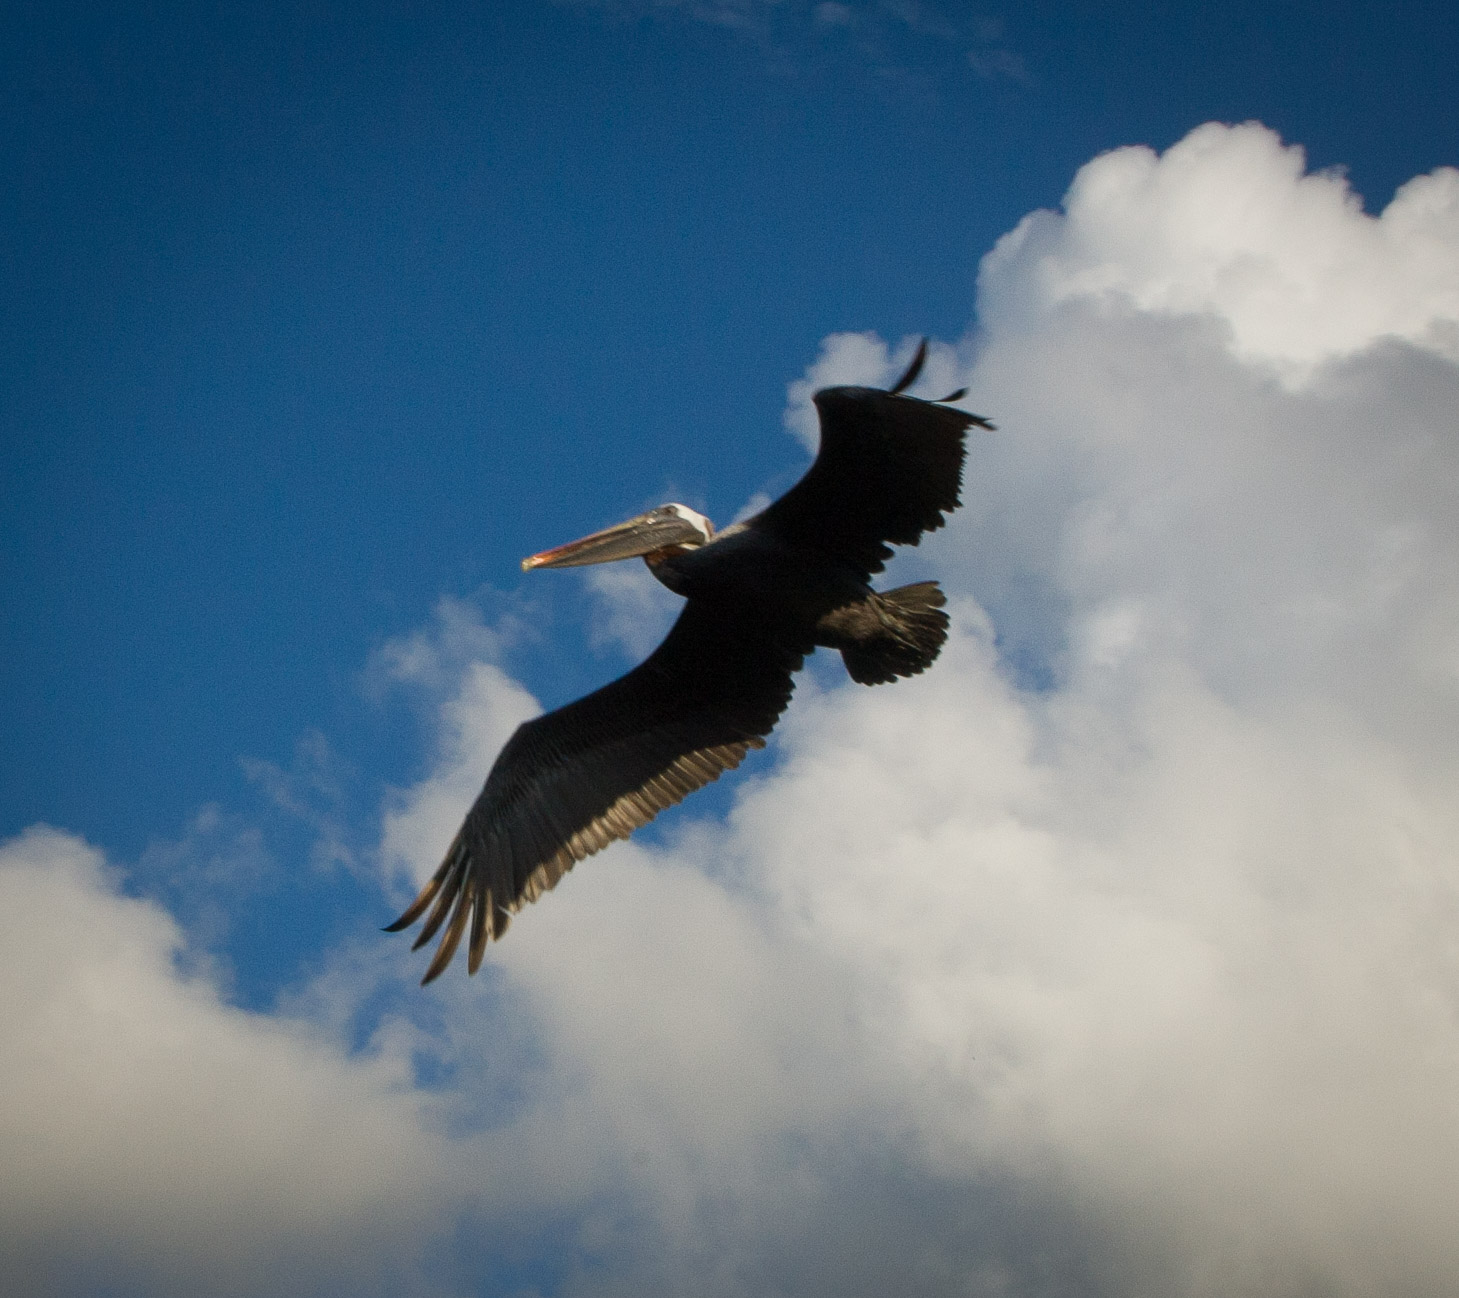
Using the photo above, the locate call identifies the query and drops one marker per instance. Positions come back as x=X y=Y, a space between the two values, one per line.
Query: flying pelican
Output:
x=760 y=595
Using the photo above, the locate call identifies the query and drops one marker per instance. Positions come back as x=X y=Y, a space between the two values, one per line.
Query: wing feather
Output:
x=890 y=468
x=569 y=783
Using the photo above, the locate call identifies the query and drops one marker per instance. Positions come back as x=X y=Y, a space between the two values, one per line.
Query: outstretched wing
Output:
x=567 y=784
x=889 y=468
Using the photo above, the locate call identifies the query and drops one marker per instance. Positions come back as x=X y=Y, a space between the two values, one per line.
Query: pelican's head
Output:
x=656 y=534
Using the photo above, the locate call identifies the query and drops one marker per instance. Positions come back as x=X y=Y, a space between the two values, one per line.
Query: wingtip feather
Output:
x=913 y=370
x=446 y=952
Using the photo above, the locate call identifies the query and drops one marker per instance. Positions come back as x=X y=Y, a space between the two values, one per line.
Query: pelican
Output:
x=759 y=596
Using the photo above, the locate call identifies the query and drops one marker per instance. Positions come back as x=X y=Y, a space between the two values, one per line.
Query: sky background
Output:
x=1117 y=955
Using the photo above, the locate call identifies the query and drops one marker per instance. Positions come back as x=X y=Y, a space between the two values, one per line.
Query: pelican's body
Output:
x=749 y=565
x=760 y=595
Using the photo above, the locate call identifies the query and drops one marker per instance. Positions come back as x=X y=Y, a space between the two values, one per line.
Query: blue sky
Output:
x=314 y=322
x=312 y=318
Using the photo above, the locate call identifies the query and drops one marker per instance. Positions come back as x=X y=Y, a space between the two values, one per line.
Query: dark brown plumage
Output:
x=760 y=596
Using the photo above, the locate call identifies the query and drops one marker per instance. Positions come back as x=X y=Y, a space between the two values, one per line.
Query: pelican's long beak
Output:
x=652 y=531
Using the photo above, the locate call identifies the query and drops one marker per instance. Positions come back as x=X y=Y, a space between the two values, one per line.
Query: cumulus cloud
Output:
x=632 y=609
x=1226 y=225
x=153 y=1136
x=1115 y=955
x=1158 y=939
x=1180 y=927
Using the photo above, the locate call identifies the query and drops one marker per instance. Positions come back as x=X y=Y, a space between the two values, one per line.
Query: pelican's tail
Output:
x=898 y=633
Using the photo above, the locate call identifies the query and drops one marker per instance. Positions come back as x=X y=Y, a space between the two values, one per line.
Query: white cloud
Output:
x=1166 y=948
x=632 y=609
x=432 y=657
x=1192 y=963
x=1181 y=929
x=152 y=1134
x=1226 y=224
